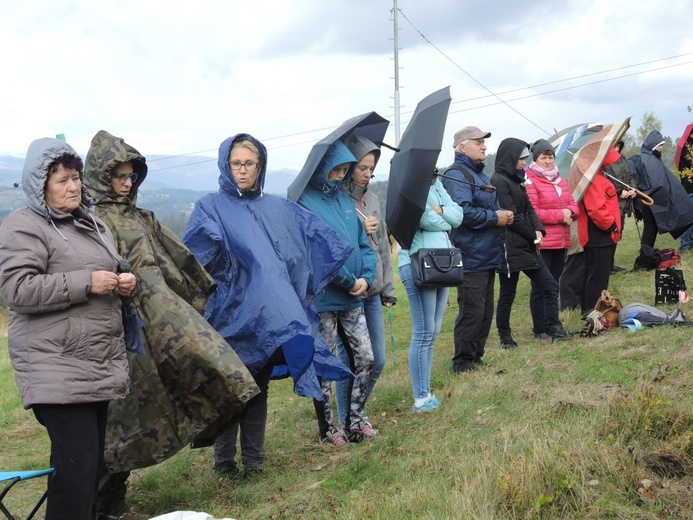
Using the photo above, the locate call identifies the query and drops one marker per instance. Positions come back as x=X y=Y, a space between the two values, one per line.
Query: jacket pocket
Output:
x=76 y=338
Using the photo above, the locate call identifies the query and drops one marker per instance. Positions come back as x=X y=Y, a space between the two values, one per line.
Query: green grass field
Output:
x=593 y=428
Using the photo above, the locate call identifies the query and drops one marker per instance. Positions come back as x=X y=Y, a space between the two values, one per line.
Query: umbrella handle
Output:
x=483 y=187
x=646 y=199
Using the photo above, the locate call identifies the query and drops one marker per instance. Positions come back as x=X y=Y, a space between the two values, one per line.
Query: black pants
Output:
x=474 y=318
x=554 y=260
x=597 y=272
x=252 y=423
x=572 y=281
x=544 y=314
x=649 y=227
x=77 y=433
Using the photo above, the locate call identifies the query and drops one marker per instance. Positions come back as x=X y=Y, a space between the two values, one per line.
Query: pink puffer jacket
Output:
x=548 y=205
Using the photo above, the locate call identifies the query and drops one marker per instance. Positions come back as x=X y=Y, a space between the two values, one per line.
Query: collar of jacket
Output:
x=465 y=161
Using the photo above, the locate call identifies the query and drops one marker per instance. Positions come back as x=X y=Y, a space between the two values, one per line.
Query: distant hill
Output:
x=172 y=187
x=165 y=172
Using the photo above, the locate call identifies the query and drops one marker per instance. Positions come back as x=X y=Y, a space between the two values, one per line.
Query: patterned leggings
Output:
x=350 y=326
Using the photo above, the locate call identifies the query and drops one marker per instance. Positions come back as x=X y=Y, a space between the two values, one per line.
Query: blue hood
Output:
x=337 y=154
x=227 y=183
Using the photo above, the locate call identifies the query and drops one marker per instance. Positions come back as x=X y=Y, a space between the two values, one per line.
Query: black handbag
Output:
x=437 y=267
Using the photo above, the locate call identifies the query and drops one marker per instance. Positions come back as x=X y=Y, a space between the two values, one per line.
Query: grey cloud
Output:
x=366 y=27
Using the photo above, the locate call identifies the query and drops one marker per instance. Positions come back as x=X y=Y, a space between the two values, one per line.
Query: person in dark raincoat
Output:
x=190 y=379
x=270 y=259
x=521 y=242
x=672 y=211
x=341 y=305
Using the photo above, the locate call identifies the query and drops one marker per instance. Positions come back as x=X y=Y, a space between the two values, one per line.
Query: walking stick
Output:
x=392 y=337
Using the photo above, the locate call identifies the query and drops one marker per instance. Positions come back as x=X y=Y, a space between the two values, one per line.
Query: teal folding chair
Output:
x=15 y=476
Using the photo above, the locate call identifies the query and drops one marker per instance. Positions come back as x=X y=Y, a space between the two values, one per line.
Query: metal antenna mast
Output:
x=395 y=18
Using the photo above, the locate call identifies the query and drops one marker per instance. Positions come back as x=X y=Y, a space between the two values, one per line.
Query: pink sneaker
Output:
x=335 y=437
x=361 y=431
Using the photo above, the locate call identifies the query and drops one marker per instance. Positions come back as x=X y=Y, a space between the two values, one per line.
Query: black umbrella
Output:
x=371 y=126
x=411 y=168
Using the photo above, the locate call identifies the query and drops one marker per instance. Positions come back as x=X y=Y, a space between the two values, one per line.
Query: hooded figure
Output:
x=367 y=202
x=341 y=305
x=190 y=377
x=520 y=249
x=672 y=211
x=521 y=242
x=328 y=201
x=58 y=275
x=382 y=291
x=270 y=259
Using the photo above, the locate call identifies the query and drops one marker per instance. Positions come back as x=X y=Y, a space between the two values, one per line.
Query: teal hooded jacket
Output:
x=327 y=200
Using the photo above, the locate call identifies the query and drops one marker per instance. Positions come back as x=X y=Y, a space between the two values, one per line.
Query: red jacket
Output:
x=599 y=224
x=548 y=206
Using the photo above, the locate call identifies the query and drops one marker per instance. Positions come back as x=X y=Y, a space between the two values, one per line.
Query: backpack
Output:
x=637 y=315
x=651 y=258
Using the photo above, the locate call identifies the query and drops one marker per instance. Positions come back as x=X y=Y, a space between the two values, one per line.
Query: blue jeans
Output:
x=687 y=237
x=427 y=308
x=375 y=320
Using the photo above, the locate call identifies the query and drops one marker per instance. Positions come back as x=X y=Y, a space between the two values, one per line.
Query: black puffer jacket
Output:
x=519 y=250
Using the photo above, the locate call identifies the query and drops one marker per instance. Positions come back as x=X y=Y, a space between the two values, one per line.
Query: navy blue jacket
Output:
x=477 y=237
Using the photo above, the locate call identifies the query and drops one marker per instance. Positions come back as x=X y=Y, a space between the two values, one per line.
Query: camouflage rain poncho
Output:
x=190 y=376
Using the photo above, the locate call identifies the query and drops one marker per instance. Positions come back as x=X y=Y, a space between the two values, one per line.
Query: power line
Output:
x=583 y=76
x=491 y=94
x=472 y=77
x=570 y=88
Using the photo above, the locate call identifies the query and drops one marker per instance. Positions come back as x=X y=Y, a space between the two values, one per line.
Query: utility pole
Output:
x=395 y=18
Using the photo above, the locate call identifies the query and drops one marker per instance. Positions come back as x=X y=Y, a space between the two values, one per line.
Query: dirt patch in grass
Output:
x=585 y=396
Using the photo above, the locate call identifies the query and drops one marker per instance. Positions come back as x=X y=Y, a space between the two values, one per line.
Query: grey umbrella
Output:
x=371 y=126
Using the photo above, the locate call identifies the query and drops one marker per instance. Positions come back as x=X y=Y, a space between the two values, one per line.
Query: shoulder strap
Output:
x=466 y=174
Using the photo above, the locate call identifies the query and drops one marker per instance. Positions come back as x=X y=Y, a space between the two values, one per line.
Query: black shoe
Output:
x=542 y=335
x=113 y=509
x=618 y=269
x=467 y=366
x=507 y=341
x=558 y=333
x=227 y=471
x=251 y=472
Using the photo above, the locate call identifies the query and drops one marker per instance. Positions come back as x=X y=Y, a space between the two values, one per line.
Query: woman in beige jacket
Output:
x=59 y=277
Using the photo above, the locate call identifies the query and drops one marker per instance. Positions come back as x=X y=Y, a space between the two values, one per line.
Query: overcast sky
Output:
x=178 y=77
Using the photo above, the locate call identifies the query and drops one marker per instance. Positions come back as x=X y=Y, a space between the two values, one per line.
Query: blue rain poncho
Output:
x=270 y=259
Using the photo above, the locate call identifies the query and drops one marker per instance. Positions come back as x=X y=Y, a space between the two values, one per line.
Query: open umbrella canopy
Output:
x=587 y=162
x=684 y=149
x=568 y=141
x=371 y=126
x=411 y=168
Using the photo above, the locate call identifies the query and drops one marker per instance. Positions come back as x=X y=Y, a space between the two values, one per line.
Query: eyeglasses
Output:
x=250 y=166
x=123 y=177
